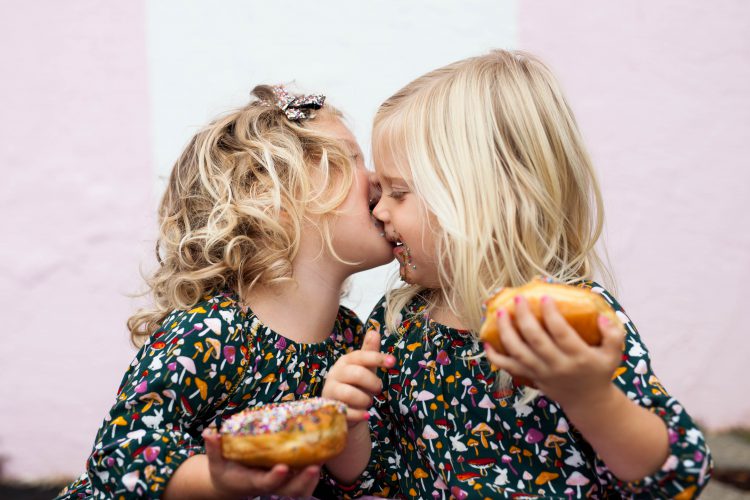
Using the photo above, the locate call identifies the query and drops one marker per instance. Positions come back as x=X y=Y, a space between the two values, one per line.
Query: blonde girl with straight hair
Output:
x=486 y=184
x=265 y=216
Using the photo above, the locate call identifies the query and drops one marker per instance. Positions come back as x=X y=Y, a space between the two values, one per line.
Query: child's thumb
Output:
x=372 y=341
x=213 y=445
x=613 y=335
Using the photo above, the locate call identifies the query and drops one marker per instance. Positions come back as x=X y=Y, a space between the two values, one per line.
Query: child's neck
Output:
x=303 y=311
x=442 y=313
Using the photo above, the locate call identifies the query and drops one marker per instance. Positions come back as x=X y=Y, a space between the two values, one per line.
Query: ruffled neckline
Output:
x=282 y=342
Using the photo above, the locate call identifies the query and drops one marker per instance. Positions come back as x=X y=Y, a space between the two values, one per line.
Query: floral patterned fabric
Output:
x=202 y=365
x=440 y=430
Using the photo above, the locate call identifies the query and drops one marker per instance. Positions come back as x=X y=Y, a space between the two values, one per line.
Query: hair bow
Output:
x=297 y=108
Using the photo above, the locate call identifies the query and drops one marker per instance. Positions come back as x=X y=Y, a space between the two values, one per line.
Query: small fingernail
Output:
x=603 y=320
x=390 y=360
x=545 y=299
x=517 y=299
x=366 y=417
x=500 y=313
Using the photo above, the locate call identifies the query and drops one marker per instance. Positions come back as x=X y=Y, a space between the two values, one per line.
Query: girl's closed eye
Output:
x=397 y=194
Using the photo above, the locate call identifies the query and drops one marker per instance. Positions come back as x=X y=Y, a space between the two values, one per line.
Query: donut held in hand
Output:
x=297 y=433
x=579 y=306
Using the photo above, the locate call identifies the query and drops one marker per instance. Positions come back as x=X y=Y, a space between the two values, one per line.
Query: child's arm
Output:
x=636 y=440
x=353 y=381
x=211 y=476
x=634 y=444
x=171 y=391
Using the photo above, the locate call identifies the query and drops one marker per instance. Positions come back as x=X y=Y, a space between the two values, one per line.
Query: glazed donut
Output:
x=297 y=433
x=580 y=306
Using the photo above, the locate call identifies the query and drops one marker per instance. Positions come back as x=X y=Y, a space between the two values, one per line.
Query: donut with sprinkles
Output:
x=295 y=433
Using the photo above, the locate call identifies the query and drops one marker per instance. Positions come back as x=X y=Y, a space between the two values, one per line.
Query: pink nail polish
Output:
x=517 y=299
x=545 y=299
x=367 y=417
x=604 y=321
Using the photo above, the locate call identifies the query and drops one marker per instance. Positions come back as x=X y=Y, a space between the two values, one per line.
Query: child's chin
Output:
x=405 y=276
x=384 y=259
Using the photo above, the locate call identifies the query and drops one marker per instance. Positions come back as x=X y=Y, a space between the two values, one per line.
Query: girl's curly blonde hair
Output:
x=237 y=199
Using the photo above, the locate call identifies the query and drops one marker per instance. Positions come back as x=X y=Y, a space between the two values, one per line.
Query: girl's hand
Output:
x=553 y=356
x=353 y=379
x=233 y=480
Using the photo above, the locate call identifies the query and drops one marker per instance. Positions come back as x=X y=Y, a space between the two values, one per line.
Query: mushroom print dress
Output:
x=202 y=366
x=440 y=430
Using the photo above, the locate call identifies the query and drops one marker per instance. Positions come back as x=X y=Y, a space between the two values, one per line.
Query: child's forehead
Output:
x=390 y=163
x=390 y=171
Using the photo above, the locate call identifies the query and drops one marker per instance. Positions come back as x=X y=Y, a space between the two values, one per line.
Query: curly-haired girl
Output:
x=266 y=214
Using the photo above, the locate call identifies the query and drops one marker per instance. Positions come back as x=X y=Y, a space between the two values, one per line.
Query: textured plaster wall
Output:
x=660 y=90
x=76 y=198
x=97 y=100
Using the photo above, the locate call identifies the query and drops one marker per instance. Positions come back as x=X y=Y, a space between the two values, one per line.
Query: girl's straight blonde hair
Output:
x=236 y=202
x=494 y=152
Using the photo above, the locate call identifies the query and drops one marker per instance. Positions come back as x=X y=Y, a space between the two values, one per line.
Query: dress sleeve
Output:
x=380 y=477
x=687 y=469
x=170 y=392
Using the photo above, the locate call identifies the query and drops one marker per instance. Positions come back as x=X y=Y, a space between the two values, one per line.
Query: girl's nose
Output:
x=379 y=210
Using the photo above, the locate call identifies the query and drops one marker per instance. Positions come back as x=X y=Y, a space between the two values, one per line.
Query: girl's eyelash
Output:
x=397 y=195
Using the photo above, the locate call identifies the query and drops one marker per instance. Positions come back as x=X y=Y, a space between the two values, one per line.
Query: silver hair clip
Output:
x=299 y=107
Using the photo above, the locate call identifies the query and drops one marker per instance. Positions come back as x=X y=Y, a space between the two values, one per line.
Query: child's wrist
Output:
x=600 y=401
x=359 y=432
x=349 y=465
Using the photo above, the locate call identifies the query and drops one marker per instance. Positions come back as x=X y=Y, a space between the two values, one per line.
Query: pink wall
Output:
x=660 y=90
x=661 y=93
x=76 y=193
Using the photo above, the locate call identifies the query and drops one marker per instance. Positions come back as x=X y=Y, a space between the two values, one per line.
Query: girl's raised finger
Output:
x=370 y=359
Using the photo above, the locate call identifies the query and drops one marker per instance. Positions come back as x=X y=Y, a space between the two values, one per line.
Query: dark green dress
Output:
x=201 y=366
x=440 y=430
